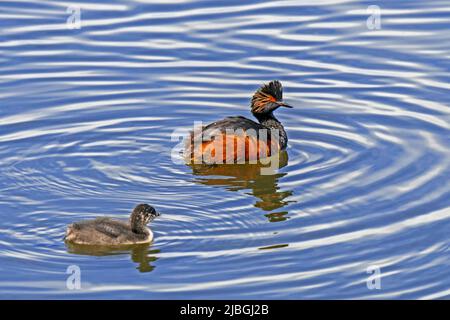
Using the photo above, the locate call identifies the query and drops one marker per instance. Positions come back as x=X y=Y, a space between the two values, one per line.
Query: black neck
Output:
x=268 y=120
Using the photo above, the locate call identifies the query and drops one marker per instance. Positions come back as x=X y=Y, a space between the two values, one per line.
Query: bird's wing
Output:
x=241 y=139
x=108 y=229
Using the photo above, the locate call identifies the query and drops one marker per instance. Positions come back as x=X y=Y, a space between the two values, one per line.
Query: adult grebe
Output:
x=107 y=231
x=245 y=138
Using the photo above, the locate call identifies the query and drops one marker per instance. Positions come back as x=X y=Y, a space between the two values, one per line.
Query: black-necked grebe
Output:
x=266 y=99
x=107 y=231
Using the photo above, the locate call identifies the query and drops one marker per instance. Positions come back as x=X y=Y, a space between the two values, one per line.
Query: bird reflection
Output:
x=235 y=177
x=140 y=253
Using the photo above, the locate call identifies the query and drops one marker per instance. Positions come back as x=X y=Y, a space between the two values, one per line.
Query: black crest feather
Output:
x=274 y=88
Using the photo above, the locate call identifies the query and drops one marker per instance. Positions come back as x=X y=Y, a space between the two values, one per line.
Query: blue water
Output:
x=86 y=123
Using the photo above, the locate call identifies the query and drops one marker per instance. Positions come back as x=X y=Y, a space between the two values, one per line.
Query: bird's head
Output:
x=141 y=215
x=268 y=98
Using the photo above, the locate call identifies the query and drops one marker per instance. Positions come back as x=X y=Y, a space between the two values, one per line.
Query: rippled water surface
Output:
x=86 y=129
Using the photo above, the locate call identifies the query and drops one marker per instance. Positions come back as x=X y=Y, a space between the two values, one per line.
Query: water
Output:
x=86 y=121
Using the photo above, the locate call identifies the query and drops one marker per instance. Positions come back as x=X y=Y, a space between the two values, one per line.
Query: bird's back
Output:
x=234 y=123
x=104 y=231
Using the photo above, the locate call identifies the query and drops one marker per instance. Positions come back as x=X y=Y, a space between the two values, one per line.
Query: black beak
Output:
x=283 y=104
x=157 y=214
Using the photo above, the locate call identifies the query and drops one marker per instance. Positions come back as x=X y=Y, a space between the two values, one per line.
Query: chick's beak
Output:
x=284 y=104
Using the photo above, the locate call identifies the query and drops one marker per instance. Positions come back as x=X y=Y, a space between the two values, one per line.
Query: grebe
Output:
x=107 y=231
x=201 y=144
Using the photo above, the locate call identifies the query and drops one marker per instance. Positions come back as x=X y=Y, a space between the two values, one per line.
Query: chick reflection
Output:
x=237 y=177
x=139 y=253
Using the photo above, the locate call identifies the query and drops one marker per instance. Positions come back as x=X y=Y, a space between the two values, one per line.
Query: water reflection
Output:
x=139 y=253
x=235 y=177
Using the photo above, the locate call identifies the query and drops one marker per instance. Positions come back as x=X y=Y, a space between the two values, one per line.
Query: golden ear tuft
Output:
x=274 y=89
